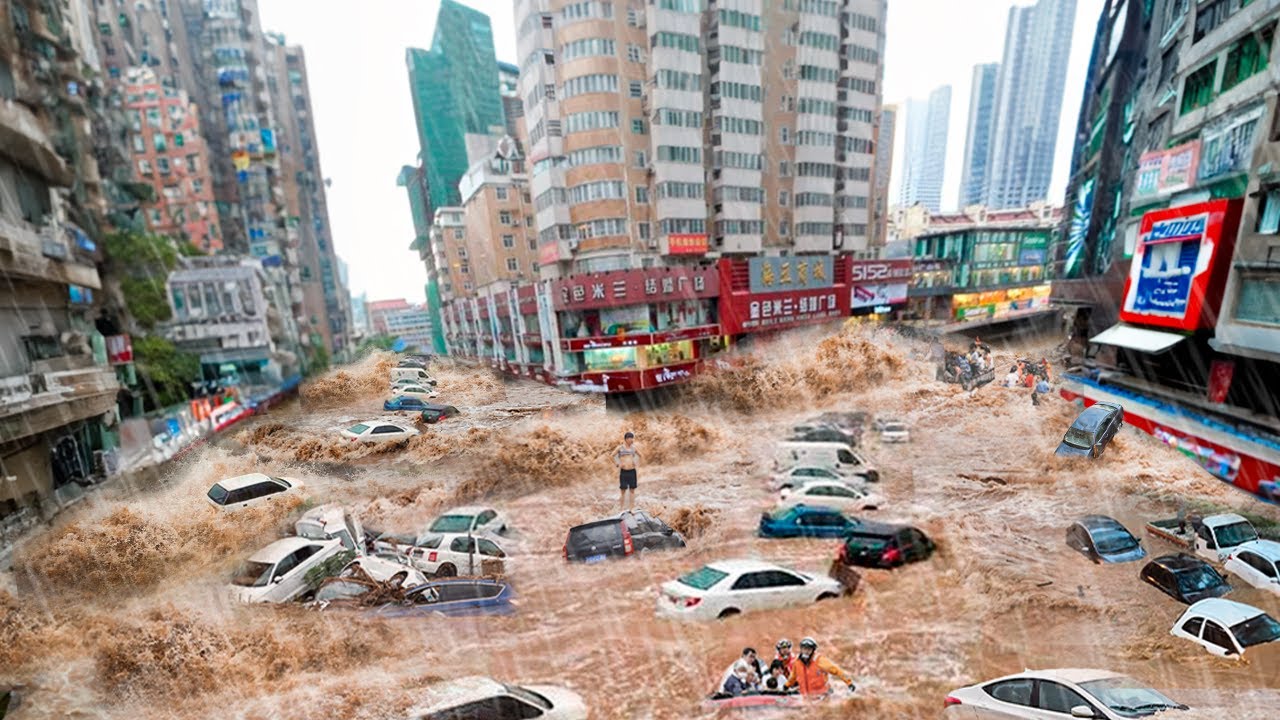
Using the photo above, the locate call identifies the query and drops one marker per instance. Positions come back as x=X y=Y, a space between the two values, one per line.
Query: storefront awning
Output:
x=1136 y=338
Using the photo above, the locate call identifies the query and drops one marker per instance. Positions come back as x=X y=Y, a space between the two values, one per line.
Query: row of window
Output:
x=861 y=85
x=733 y=159
x=591 y=120
x=584 y=10
x=673 y=226
x=740 y=55
x=819 y=40
x=856 y=144
x=676 y=80
x=600 y=154
x=678 y=41
x=814 y=106
x=811 y=199
x=1245 y=58
x=740 y=91
x=549 y=198
x=815 y=138
x=742 y=126
x=860 y=53
x=739 y=193
x=678 y=118
x=554 y=233
x=861 y=22
x=680 y=154
x=588 y=47
x=735 y=18
x=589 y=84
x=815 y=228
x=822 y=74
x=682 y=190
x=829 y=8
x=600 y=190
x=739 y=227
x=690 y=6
x=604 y=227
x=812 y=169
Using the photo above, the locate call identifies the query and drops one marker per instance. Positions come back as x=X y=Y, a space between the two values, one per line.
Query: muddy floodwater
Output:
x=119 y=611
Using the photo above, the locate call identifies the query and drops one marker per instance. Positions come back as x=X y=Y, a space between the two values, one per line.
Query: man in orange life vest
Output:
x=809 y=671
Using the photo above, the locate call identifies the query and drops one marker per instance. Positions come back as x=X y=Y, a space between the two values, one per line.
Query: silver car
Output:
x=1056 y=694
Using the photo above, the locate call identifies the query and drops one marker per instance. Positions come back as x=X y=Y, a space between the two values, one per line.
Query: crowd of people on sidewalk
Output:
x=804 y=673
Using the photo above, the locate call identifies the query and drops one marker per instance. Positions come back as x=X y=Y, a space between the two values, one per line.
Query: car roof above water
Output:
x=1093 y=416
x=1228 y=612
x=243 y=481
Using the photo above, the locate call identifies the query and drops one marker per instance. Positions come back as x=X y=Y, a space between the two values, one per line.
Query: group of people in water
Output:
x=804 y=673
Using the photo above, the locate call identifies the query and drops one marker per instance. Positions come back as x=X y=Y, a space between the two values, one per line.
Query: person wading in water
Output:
x=627 y=457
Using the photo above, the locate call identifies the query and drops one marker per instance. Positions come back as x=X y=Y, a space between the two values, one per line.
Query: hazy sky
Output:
x=365 y=125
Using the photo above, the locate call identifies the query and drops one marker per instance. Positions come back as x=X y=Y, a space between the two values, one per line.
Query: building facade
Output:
x=977 y=143
x=883 y=174
x=1029 y=87
x=925 y=151
x=1170 y=252
x=411 y=325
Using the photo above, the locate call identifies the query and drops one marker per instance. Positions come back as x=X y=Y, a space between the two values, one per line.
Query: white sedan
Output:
x=415 y=391
x=450 y=554
x=469 y=518
x=804 y=473
x=386 y=566
x=278 y=572
x=244 y=491
x=1227 y=628
x=379 y=431
x=726 y=588
x=1257 y=563
x=479 y=697
x=830 y=493
x=895 y=432
x=1065 y=693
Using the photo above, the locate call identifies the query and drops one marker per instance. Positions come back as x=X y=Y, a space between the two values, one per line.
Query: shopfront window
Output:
x=625 y=319
x=668 y=353
x=609 y=359
x=681 y=314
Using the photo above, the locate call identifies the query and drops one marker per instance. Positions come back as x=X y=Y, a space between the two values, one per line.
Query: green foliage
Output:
x=375 y=342
x=186 y=249
x=142 y=262
x=146 y=300
x=142 y=252
x=167 y=371
x=317 y=360
x=328 y=569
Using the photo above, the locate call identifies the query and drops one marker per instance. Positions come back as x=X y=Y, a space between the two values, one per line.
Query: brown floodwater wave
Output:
x=1002 y=594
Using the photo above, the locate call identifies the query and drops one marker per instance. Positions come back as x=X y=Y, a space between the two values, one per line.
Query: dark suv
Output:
x=880 y=545
x=619 y=536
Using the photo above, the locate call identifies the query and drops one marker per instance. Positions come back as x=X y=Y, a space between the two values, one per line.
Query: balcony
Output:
x=40 y=401
x=26 y=142
x=42 y=254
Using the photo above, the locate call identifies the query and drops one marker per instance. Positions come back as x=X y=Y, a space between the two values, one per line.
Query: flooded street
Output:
x=119 y=610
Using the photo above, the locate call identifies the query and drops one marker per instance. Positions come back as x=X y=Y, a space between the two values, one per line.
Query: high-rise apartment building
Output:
x=977 y=144
x=883 y=173
x=1029 y=87
x=925 y=150
x=455 y=92
x=512 y=105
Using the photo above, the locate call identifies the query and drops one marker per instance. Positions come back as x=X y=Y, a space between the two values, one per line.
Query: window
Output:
x=861 y=22
x=642 y=194
x=504 y=217
x=750 y=581
x=678 y=118
x=595 y=120
x=635 y=53
x=641 y=159
x=808 y=199
x=784 y=228
x=636 y=88
x=600 y=154
x=633 y=17
x=138 y=144
x=457 y=233
x=162 y=164
x=681 y=190
x=784 y=168
x=737 y=125
x=810 y=169
x=784 y=135
x=587 y=47
x=1259 y=300
x=669 y=226
x=680 y=154
x=678 y=41
x=819 y=40
x=1017 y=692
x=638 y=126
x=1197 y=89
x=583 y=10
x=589 y=84
x=508 y=241
x=739 y=227
x=1192 y=627
x=642 y=229
x=500 y=193
x=741 y=56
x=1259 y=563
x=817 y=107
x=602 y=228
x=734 y=18
x=732 y=159
x=815 y=137
x=512 y=264
x=739 y=194
x=690 y=6
x=1211 y=15
x=821 y=74
x=738 y=91
x=1269 y=212
x=1058 y=698
x=675 y=80
x=1216 y=635
x=600 y=190
x=1247 y=57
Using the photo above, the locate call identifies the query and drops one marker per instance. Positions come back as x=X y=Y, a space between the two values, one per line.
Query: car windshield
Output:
x=218 y=494
x=894 y=427
x=253 y=574
x=1113 y=540
x=341 y=590
x=357 y=429
x=1196 y=579
x=1257 y=630
x=598 y=533
x=1127 y=697
x=451 y=523
x=703 y=578
x=283 y=482
x=529 y=696
x=1235 y=534
x=873 y=543
x=1077 y=437
x=813 y=472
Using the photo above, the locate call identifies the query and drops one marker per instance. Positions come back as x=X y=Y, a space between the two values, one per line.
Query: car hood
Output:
x=1213 y=592
x=247 y=594
x=1067 y=450
x=566 y=703
x=1129 y=556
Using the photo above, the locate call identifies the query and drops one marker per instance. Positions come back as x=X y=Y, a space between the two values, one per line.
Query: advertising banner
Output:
x=877 y=283
x=1167 y=171
x=633 y=287
x=1228 y=146
x=781 y=274
x=1180 y=265
x=548 y=253
x=686 y=244
x=741 y=313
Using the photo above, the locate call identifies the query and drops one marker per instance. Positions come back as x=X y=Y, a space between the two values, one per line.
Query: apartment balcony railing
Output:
x=36 y=402
x=43 y=254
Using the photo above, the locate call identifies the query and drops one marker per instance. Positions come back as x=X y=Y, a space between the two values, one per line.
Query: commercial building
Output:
x=57 y=389
x=983 y=266
x=1029 y=87
x=883 y=174
x=1170 y=254
x=925 y=151
x=410 y=325
x=977 y=143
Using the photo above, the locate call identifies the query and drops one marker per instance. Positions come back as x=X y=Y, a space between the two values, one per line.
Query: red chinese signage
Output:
x=1220 y=374
x=745 y=312
x=119 y=349
x=633 y=287
x=1180 y=266
x=633 y=380
x=686 y=244
x=639 y=339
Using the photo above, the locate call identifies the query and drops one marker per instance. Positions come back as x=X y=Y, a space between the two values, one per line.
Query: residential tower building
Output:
x=977 y=143
x=925 y=152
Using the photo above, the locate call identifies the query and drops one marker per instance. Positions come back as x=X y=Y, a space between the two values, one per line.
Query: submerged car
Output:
x=1257 y=563
x=420 y=392
x=479 y=698
x=1062 y=693
x=806 y=521
x=374 y=431
x=405 y=402
x=1227 y=628
x=461 y=596
x=895 y=432
x=839 y=495
x=884 y=545
x=1185 y=578
x=450 y=554
x=244 y=491
x=278 y=572
x=386 y=567
x=726 y=588
x=470 y=518
x=627 y=533
x=1103 y=539
x=432 y=414
x=1092 y=430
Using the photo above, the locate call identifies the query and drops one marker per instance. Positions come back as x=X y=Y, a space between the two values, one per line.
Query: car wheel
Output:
x=446 y=570
x=728 y=613
x=870 y=507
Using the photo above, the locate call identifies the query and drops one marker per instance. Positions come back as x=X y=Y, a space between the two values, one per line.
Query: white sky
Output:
x=365 y=125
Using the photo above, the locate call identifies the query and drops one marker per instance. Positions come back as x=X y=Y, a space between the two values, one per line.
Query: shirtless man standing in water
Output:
x=627 y=457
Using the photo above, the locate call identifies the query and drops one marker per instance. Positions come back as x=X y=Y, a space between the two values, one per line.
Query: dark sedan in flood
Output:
x=1092 y=430
x=624 y=534
x=1185 y=578
x=461 y=596
x=1103 y=539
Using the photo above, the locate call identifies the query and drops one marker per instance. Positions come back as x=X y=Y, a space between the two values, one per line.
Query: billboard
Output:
x=878 y=282
x=782 y=274
x=1161 y=172
x=1180 y=265
x=686 y=244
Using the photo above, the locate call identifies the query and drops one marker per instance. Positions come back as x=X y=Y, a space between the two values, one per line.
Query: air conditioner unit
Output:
x=653 y=243
x=573 y=244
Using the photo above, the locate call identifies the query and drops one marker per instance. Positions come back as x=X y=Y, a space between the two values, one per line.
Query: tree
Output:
x=142 y=263
x=167 y=372
x=376 y=342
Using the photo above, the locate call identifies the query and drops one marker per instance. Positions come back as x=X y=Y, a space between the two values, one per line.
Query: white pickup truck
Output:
x=1212 y=538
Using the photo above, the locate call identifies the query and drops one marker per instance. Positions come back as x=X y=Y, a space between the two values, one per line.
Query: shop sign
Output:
x=1167 y=171
x=880 y=271
x=119 y=349
x=1228 y=148
x=1032 y=256
x=742 y=312
x=633 y=287
x=686 y=244
x=1175 y=278
x=633 y=380
x=782 y=274
x=549 y=253
x=639 y=339
x=879 y=282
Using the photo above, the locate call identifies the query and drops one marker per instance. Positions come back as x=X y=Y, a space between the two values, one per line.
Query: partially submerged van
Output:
x=836 y=456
